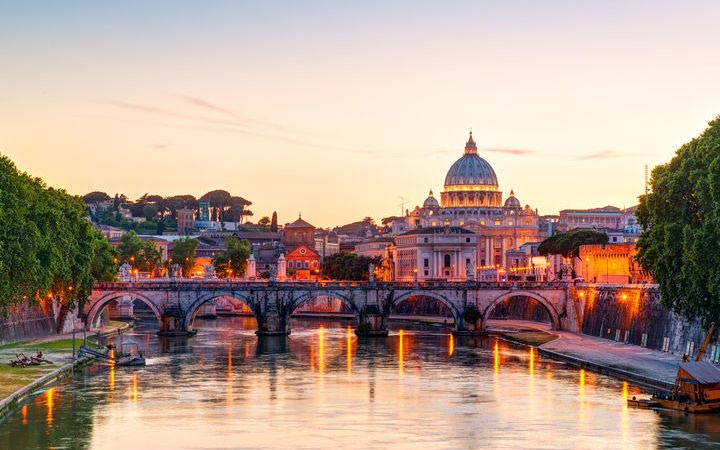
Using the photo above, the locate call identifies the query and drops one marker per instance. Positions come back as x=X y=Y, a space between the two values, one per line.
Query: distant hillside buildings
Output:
x=470 y=233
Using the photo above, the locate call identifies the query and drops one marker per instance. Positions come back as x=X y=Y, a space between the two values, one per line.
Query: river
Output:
x=323 y=388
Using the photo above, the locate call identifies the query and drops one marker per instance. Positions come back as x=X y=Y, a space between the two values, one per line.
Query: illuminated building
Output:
x=471 y=199
x=610 y=263
x=435 y=253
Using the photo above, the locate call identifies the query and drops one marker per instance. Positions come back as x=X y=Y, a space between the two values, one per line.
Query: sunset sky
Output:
x=339 y=109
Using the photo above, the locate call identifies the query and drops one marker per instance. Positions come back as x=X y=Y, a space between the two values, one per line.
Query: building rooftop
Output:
x=438 y=230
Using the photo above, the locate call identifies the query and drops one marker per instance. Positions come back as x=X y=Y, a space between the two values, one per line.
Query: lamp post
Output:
x=415 y=272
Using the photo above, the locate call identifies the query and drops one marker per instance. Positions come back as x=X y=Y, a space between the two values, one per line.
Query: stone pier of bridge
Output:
x=176 y=303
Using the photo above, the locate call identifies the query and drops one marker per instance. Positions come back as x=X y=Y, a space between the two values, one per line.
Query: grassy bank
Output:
x=57 y=349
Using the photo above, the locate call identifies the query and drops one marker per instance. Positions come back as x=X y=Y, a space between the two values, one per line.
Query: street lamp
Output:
x=416 y=275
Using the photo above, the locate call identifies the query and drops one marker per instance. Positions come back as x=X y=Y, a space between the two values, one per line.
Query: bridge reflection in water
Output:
x=323 y=386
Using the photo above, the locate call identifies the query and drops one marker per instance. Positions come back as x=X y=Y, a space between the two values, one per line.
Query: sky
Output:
x=342 y=110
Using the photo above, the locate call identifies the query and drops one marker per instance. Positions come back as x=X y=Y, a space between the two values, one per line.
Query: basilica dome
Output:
x=512 y=201
x=471 y=182
x=431 y=202
x=471 y=170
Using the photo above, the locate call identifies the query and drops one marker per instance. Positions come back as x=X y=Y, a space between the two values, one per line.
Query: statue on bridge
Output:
x=208 y=271
x=124 y=272
x=176 y=270
x=371 y=272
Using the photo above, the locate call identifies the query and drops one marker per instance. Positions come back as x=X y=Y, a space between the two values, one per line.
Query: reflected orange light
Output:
x=451 y=345
x=135 y=388
x=50 y=394
x=401 y=356
x=625 y=414
x=532 y=361
x=582 y=382
x=229 y=359
x=349 y=350
x=23 y=414
x=312 y=353
x=496 y=358
x=321 y=351
x=229 y=391
x=247 y=350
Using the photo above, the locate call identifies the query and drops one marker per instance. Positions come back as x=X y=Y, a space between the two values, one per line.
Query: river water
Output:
x=323 y=388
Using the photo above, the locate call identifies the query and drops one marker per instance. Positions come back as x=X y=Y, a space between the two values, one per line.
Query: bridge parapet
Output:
x=176 y=301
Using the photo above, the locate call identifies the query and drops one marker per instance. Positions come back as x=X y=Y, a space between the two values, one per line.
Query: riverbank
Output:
x=17 y=383
x=627 y=362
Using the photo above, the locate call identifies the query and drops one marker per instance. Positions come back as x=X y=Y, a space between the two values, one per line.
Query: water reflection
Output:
x=50 y=402
x=348 y=349
x=228 y=388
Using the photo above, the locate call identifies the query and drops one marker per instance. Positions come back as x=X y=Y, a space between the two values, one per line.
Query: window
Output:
x=447 y=261
x=307 y=264
x=467 y=261
x=426 y=262
x=467 y=239
x=425 y=240
x=290 y=264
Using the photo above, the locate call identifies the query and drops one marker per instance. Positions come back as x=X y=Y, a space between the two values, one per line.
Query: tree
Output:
x=183 y=253
x=105 y=259
x=274 y=223
x=568 y=244
x=348 y=266
x=680 y=244
x=233 y=262
x=48 y=248
x=264 y=221
x=140 y=254
x=96 y=197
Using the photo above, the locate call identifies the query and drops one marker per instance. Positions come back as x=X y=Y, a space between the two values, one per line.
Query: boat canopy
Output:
x=702 y=371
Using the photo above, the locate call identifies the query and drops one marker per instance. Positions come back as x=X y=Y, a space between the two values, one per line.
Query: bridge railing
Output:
x=220 y=283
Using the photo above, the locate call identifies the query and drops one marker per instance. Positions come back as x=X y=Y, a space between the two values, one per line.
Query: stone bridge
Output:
x=176 y=303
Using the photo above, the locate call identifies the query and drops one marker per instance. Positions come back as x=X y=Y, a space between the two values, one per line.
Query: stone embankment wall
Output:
x=34 y=320
x=28 y=321
x=633 y=314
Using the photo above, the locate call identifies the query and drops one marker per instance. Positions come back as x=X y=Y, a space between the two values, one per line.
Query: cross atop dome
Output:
x=470 y=146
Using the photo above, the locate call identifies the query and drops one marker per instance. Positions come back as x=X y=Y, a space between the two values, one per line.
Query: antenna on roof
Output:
x=402 y=205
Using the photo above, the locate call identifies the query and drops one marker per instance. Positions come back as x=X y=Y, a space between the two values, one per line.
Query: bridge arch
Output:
x=96 y=306
x=547 y=304
x=192 y=310
x=454 y=310
x=302 y=298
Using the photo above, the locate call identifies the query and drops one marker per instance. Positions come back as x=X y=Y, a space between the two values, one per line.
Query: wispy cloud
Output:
x=206 y=105
x=604 y=154
x=510 y=151
x=249 y=127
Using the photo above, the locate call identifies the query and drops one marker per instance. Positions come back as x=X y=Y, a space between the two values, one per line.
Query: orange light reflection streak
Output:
x=229 y=387
x=349 y=350
x=23 y=414
x=50 y=394
x=135 y=388
x=321 y=350
x=401 y=356
x=451 y=345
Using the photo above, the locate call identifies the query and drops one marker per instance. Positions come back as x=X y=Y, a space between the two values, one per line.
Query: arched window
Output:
x=447 y=261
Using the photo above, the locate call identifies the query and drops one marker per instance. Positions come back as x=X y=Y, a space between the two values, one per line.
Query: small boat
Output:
x=696 y=389
x=130 y=354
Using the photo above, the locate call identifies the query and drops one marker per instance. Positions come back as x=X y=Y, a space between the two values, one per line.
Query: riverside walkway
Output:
x=625 y=361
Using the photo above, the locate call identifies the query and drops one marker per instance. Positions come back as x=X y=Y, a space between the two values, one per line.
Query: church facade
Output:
x=471 y=200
